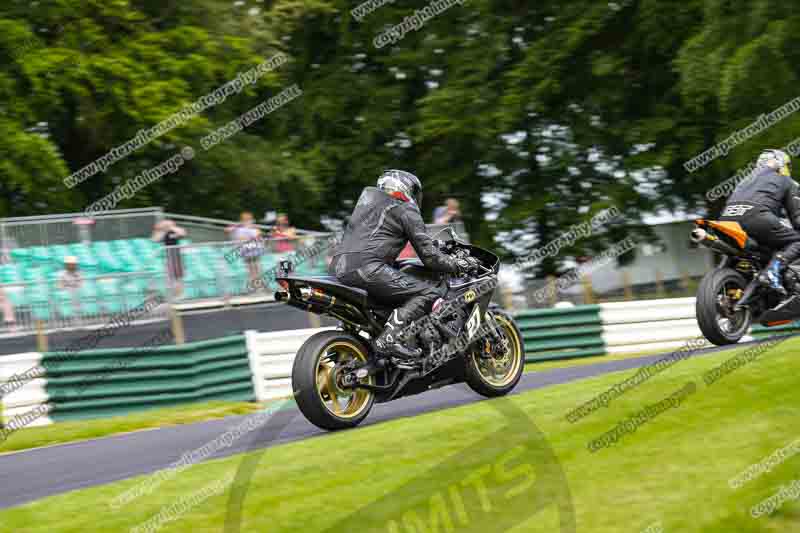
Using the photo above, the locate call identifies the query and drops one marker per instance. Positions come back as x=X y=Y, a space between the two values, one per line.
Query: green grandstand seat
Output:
x=40 y=253
x=20 y=254
x=134 y=291
x=10 y=273
x=34 y=274
x=16 y=295
x=108 y=294
x=38 y=297
x=59 y=252
x=109 y=262
x=88 y=297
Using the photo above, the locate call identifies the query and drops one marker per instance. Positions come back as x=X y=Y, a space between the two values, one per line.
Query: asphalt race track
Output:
x=43 y=472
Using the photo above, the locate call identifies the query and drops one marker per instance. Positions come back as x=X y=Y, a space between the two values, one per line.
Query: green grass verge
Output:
x=63 y=432
x=674 y=469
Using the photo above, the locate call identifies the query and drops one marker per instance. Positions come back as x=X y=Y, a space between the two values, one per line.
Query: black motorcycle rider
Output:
x=756 y=205
x=383 y=221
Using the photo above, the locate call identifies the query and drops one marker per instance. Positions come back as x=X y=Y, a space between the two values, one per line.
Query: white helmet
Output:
x=400 y=181
x=777 y=160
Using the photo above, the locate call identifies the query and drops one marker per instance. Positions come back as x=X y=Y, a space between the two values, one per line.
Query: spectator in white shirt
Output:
x=70 y=278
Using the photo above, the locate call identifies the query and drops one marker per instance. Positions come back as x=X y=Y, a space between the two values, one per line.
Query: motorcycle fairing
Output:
x=732 y=229
x=783 y=314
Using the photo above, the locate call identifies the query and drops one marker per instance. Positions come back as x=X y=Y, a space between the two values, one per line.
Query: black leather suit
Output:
x=757 y=205
x=378 y=230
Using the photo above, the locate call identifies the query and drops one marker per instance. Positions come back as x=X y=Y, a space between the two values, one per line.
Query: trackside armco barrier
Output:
x=98 y=383
x=563 y=333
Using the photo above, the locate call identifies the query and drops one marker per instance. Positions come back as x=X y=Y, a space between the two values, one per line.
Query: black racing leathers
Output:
x=378 y=230
x=758 y=203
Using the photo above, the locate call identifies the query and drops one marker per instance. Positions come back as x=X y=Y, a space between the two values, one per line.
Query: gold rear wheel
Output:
x=339 y=400
x=319 y=379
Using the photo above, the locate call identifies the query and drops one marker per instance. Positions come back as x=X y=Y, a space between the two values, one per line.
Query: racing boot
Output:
x=388 y=343
x=772 y=276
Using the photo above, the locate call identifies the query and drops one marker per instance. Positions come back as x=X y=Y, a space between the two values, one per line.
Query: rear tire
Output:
x=713 y=306
x=478 y=373
x=316 y=389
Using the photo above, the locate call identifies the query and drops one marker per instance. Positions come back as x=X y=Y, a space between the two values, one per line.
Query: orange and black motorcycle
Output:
x=730 y=298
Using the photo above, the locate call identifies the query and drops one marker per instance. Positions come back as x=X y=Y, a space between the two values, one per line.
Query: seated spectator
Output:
x=70 y=278
x=169 y=233
x=285 y=233
x=448 y=213
x=251 y=247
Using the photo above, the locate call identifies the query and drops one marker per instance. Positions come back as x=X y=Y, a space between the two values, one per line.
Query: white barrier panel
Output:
x=24 y=395
x=271 y=358
x=647 y=311
x=645 y=332
x=651 y=325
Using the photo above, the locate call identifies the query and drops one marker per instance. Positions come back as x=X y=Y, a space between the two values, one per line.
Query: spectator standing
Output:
x=169 y=233
x=450 y=213
x=284 y=233
x=8 y=311
x=251 y=248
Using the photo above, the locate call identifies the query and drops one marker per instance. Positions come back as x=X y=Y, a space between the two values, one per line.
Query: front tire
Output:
x=718 y=292
x=497 y=376
x=317 y=387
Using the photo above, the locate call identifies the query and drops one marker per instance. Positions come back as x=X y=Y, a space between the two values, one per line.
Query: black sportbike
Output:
x=337 y=375
x=730 y=298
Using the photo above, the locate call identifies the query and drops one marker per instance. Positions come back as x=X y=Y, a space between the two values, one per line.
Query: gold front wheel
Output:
x=494 y=367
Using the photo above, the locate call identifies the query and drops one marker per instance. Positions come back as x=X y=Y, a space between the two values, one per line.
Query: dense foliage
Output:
x=534 y=114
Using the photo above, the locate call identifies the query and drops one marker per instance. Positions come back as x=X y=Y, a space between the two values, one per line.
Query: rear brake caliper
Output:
x=727 y=302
